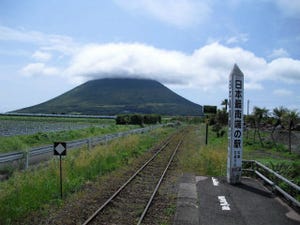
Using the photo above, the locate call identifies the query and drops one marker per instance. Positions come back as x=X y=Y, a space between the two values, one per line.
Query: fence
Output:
x=26 y=155
x=278 y=183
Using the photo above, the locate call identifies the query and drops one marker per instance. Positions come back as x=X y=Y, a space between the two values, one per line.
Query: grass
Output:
x=204 y=159
x=25 y=142
x=37 y=189
x=277 y=158
x=211 y=159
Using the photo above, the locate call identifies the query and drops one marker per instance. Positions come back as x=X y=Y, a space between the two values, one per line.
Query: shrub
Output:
x=138 y=119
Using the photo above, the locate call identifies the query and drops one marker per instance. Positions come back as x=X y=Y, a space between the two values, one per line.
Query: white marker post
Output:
x=235 y=125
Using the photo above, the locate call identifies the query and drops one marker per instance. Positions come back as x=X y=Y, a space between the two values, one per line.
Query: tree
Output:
x=225 y=103
x=220 y=120
x=259 y=114
x=222 y=117
x=278 y=114
x=291 y=117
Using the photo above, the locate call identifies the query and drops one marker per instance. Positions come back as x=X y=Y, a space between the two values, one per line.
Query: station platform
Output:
x=212 y=201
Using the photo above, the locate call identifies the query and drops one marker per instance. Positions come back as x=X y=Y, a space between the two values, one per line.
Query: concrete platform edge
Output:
x=187 y=212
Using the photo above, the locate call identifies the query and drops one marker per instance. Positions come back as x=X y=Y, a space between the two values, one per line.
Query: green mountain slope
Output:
x=114 y=96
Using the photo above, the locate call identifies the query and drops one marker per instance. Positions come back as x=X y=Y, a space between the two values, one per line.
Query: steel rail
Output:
x=159 y=183
x=95 y=214
x=7 y=157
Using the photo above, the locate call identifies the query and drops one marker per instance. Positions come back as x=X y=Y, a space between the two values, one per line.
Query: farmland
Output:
x=12 y=128
x=22 y=133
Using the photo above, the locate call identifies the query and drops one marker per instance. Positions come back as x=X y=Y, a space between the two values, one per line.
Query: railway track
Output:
x=131 y=202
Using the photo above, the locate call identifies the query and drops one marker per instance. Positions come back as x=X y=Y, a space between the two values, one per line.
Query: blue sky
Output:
x=49 y=47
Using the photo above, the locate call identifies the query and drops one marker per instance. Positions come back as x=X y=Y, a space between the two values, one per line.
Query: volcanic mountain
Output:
x=112 y=96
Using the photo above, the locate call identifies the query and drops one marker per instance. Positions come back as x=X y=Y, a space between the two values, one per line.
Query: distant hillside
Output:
x=118 y=96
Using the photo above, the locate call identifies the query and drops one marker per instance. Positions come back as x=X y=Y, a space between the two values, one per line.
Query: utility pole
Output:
x=248 y=104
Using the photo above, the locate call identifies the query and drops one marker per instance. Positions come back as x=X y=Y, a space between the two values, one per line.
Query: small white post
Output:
x=26 y=155
x=89 y=144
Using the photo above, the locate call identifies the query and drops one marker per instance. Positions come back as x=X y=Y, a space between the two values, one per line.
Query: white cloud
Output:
x=290 y=8
x=121 y=59
x=42 y=56
x=39 y=69
x=279 y=53
x=207 y=67
x=61 y=43
x=241 y=38
x=284 y=69
x=282 y=92
x=180 y=13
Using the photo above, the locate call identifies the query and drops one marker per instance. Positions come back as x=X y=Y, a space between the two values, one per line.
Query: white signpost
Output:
x=235 y=125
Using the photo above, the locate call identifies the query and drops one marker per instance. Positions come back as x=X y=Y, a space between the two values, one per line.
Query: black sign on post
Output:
x=208 y=110
x=60 y=148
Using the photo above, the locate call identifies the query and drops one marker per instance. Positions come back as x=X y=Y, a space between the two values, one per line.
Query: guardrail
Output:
x=278 y=183
x=90 y=142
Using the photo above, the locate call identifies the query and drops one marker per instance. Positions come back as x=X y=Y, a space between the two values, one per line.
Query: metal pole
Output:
x=26 y=159
x=206 y=133
x=60 y=167
x=248 y=104
x=247 y=131
x=89 y=144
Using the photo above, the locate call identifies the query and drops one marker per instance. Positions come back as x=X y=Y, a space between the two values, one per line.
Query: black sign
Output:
x=60 y=148
x=210 y=109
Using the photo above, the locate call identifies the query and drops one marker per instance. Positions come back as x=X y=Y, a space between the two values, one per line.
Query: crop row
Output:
x=12 y=128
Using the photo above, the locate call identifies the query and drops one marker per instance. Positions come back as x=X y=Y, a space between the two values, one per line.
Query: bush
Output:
x=138 y=119
x=217 y=128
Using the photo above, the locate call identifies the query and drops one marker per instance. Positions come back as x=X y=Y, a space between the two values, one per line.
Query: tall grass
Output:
x=211 y=159
x=24 y=142
x=204 y=159
x=31 y=190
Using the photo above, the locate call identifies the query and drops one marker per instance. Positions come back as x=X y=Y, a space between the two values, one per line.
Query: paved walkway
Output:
x=212 y=201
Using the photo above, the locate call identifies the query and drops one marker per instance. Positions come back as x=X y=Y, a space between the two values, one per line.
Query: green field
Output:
x=24 y=142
